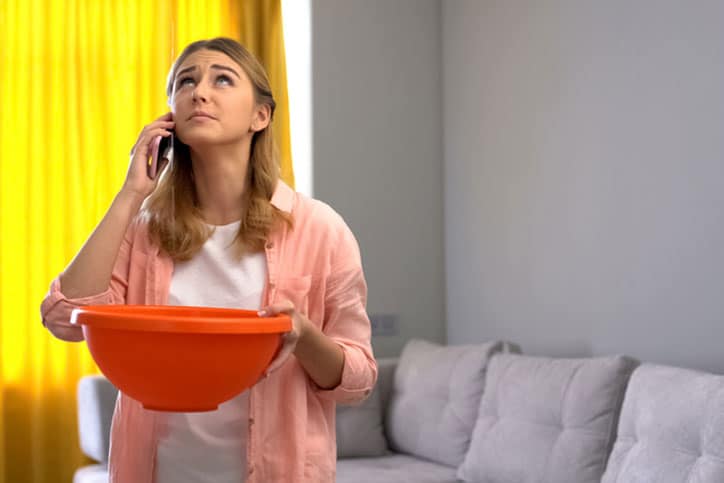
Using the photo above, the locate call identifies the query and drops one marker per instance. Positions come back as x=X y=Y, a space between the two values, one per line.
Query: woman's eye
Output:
x=225 y=78
x=184 y=81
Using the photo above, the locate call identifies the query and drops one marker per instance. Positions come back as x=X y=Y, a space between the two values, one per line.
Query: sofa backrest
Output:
x=96 y=401
x=544 y=420
x=671 y=428
x=435 y=398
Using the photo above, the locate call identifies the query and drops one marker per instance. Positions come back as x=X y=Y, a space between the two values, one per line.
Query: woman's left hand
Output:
x=291 y=338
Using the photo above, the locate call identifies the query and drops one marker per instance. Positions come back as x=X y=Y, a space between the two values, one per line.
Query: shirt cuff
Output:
x=56 y=308
x=358 y=378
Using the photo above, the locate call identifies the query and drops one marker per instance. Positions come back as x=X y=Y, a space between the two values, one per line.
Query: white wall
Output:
x=584 y=170
x=377 y=148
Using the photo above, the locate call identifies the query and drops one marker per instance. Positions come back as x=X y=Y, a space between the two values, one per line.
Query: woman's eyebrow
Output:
x=224 y=67
x=213 y=66
x=183 y=71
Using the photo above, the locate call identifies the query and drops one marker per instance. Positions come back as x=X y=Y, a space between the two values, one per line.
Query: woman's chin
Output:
x=196 y=141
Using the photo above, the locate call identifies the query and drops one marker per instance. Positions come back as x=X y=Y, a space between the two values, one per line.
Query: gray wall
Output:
x=584 y=163
x=377 y=150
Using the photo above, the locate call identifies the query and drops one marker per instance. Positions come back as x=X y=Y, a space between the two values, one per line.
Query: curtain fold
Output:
x=266 y=41
x=78 y=81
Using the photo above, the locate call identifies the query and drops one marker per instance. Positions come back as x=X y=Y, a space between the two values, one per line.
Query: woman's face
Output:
x=213 y=101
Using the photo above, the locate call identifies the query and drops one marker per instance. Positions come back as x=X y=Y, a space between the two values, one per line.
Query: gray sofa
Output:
x=484 y=413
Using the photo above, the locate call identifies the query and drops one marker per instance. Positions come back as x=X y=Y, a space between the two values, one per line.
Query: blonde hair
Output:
x=175 y=222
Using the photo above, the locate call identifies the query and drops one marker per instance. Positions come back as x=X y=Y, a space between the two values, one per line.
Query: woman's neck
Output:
x=220 y=178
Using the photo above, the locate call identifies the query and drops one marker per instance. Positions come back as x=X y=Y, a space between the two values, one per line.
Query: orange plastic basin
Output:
x=180 y=358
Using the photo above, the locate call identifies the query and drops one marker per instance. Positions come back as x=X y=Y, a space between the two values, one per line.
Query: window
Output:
x=298 y=45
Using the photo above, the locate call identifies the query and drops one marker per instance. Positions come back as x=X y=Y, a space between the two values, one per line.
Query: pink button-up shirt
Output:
x=291 y=436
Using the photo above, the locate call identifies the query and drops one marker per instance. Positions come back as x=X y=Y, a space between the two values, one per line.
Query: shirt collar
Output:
x=283 y=197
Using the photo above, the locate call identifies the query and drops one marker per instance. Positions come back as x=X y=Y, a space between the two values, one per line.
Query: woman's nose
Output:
x=199 y=93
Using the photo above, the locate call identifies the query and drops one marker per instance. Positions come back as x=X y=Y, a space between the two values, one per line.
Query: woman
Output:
x=219 y=228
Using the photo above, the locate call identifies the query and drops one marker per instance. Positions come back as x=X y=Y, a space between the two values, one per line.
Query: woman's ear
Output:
x=262 y=117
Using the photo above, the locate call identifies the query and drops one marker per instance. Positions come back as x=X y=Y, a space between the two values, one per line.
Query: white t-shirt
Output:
x=210 y=447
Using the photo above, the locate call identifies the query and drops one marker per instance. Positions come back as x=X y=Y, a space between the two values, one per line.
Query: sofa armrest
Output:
x=96 y=401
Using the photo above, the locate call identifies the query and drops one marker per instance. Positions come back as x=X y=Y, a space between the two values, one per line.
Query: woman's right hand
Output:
x=137 y=181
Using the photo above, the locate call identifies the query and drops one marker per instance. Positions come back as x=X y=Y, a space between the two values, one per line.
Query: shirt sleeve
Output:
x=56 y=308
x=347 y=323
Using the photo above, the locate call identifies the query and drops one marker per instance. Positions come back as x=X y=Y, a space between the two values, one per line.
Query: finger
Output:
x=165 y=120
x=166 y=117
x=280 y=359
x=153 y=129
x=153 y=126
x=147 y=137
x=285 y=307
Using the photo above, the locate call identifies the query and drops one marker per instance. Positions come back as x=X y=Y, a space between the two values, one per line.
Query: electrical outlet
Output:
x=384 y=325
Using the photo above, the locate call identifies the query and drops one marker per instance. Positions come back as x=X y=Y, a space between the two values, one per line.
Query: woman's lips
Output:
x=201 y=117
x=201 y=114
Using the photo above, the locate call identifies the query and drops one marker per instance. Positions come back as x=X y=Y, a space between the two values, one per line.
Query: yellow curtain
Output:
x=78 y=80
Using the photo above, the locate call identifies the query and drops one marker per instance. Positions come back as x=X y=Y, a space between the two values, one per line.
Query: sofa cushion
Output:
x=671 y=428
x=393 y=469
x=546 y=420
x=435 y=399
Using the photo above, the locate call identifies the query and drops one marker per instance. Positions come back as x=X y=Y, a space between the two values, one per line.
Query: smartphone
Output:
x=161 y=154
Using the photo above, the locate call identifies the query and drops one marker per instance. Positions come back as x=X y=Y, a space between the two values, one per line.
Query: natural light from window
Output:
x=298 y=45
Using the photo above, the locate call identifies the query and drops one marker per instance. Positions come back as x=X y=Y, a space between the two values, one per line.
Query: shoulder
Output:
x=322 y=229
x=310 y=213
x=303 y=208
x=316 y=210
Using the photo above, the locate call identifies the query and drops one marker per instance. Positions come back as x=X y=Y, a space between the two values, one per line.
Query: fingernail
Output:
x=262 y=313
